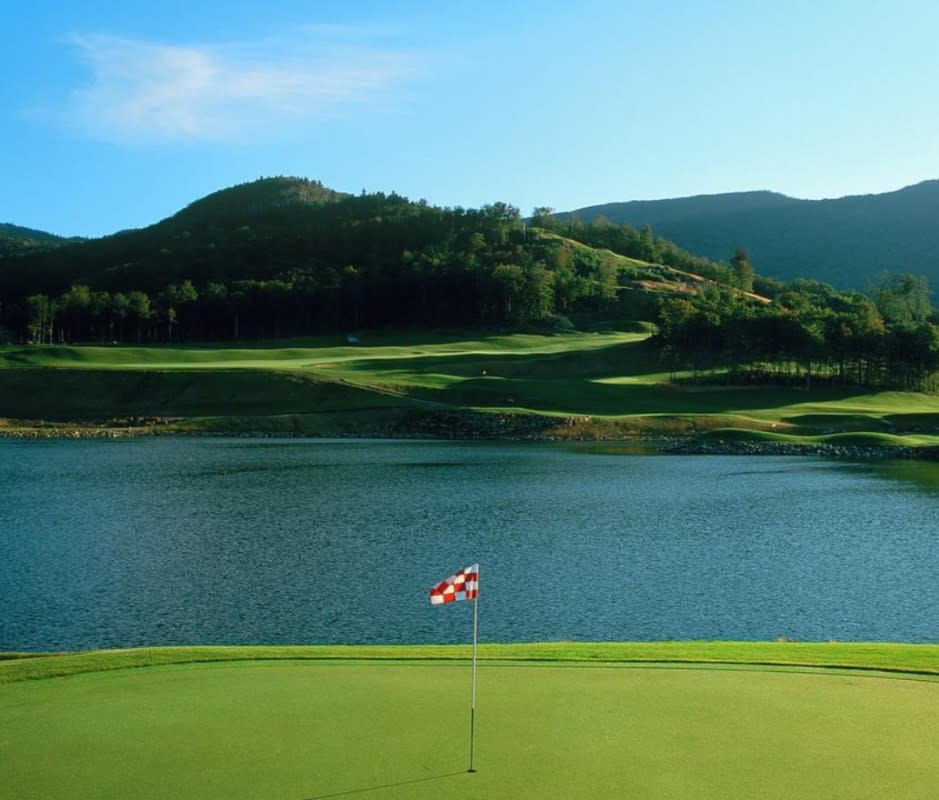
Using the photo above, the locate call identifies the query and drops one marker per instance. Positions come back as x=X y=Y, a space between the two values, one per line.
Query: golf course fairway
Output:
x=390 y=728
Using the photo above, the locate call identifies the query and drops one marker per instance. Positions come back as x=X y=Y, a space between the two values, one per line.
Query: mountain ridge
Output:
x=846 y=241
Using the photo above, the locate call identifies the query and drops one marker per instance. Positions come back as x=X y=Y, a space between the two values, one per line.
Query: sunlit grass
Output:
x=881 y=656
x=611 y=376
x=316 y=352
x=782 y=721
x=855 y=439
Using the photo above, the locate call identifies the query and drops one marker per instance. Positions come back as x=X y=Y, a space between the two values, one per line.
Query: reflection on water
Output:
x=174 y=541
x=919 y=475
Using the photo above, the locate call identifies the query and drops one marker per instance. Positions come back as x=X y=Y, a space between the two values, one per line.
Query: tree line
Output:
x=809 y=332
x=476 y=267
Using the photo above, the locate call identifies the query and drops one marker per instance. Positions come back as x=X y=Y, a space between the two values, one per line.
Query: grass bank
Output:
x=889 y=657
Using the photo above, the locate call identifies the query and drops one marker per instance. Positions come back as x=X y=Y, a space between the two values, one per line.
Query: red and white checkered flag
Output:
x=462 y=585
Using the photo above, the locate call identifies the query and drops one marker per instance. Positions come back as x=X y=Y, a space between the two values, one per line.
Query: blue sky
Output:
x=115 y=115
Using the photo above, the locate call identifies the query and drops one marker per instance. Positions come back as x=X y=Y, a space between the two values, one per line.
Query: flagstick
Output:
x=473 y=701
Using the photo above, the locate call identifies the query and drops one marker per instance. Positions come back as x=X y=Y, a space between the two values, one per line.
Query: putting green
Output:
x=373 y=729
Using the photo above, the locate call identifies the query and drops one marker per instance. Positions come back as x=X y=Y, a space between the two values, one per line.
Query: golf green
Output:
x=394 y=729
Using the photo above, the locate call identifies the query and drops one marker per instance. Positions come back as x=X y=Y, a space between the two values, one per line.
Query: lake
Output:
x=229 y=541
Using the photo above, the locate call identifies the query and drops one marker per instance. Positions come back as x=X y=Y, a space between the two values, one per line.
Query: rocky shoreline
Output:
x=470 y=426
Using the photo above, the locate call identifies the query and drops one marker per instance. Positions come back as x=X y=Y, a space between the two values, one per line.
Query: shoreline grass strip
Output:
x=881 y=657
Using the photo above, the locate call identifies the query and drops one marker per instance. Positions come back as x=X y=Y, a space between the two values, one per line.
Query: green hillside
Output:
x=219 y=237
x=288 y=257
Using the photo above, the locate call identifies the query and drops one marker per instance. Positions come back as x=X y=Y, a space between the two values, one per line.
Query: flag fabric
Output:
x=462 y=585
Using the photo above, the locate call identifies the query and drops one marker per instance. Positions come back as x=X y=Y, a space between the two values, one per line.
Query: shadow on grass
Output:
x=67 y=394
x=620 y=358
x=567 y=395
x=379 y=787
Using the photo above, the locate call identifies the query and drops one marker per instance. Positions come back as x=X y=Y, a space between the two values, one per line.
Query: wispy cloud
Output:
x=148 y=91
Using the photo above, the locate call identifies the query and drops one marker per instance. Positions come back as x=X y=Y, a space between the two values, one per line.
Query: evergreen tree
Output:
x=743 y=270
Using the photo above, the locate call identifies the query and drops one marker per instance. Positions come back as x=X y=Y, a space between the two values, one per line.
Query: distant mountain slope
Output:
x=846 y=242
x=14 y=240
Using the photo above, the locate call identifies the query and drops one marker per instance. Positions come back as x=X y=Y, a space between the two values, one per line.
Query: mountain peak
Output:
x=259 y=196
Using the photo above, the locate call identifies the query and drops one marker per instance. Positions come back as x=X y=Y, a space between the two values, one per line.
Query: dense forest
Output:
x=809 y=332
x=284 y=257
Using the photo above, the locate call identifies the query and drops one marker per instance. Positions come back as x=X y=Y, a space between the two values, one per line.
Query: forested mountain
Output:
x=846 y=242
x=15 y=240
x=287 y=256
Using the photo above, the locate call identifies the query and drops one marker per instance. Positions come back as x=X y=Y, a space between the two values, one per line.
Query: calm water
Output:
x=174 y=541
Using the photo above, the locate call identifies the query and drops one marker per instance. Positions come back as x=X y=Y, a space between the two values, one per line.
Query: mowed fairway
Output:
x=614 y=377
x=393 y=729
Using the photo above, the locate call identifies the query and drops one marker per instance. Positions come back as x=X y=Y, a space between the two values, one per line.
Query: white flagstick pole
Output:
x=473 y=700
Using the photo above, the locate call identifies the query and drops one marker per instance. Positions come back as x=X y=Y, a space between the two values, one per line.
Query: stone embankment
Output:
x=480 y=425
x=118 y=428
x=72 y=433
x=467 y=425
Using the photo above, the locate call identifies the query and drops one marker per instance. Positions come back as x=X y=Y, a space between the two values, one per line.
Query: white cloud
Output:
x=146 y=91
